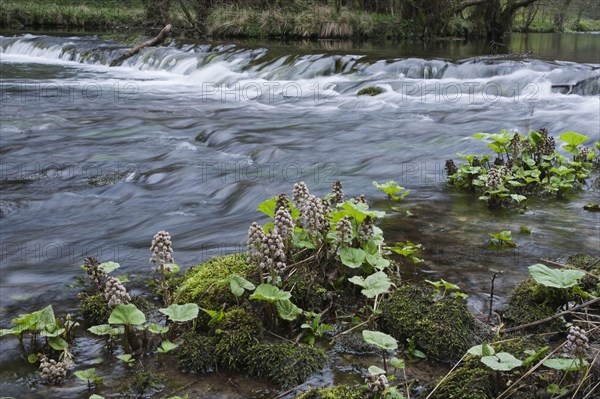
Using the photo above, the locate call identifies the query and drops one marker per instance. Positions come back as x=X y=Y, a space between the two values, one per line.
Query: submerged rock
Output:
x=284 y=364
x=531 y=302
x=207 y=284
x=444 y=329
x=370 y=91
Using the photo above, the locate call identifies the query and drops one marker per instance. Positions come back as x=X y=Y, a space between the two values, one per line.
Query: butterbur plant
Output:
x=524 y=166
x=162 y=257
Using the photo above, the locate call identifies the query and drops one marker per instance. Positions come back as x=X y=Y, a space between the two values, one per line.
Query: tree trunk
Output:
x=559 y=17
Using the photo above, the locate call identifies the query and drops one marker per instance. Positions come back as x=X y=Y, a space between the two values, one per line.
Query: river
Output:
x=190 y=137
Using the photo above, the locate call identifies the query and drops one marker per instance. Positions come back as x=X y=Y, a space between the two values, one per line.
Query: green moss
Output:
x=444 y=329
x=472 y=380
x=307 y=292
x=370 y=91
x=530 y=302
x=284 y=364
x=147 y=382
x=207 y=284
x=196 y=353
x=591 y=264
x=94 y=309
x=336 y=392
x=236 y=334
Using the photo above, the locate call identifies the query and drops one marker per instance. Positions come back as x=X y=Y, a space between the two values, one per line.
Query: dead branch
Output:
x=152 y=42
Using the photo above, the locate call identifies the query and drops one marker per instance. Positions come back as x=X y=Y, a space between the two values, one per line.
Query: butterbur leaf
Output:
x=481 y=350
x=270 y=293
x=501 y=361
x=238 y=285
x=375 y=284
x=287 y=310
x=108 y=266
x=181 y=313
x=397 y=363
x=86 y=375
x=374 y=370
x=157 y=329
x=32 y=358
x=268 y=207
x=127 y=314
x=380 y=340
x=57 y=343
x=573 y=138
x=94 y=396
x=167 y=346
x=127 y=358
x=558 y=278
x=352 y=257
x=565 y=364
x=106 y=329
x=535 y=356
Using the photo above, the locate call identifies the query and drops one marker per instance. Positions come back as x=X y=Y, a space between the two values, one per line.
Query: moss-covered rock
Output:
x=444 y=329
x=236 y=334
x=94 y=309
x=207 y=284
x=370 y=91
x=307 y=293
x=590 y=264
x=472 y=380
x=284 y=364
x=335 y=392
x=530 y=302
x=196 y=353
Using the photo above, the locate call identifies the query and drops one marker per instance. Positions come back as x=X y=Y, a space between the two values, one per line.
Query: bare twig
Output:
x=152 y=42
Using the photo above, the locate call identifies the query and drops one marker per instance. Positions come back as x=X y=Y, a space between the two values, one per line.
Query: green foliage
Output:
x=127 y=314
x=270 y=293
x=236 y=333
x=557 y=278
x=167 y=346
x=352 y=257
x=502 y=240
x=335 y=392
x=501 y=361
x=147 y=382
x=286 y=365
x=239 y=285
x=106 y=329
x=448 y=288
x=392 y=189
x=370 y=91
x=565 y=364
x=315 y=328
x=89 y=376
x=181 y=313
x=376 y=284
x=525 y=166
x=380 y=340
x=408 y=250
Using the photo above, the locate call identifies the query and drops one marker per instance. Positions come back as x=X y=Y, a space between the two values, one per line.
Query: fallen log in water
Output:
x=149 y=43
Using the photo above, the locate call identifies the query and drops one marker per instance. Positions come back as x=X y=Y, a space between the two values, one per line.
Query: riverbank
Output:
x=318 y=21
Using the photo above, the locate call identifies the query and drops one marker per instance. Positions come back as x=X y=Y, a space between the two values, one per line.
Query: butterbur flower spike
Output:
x=377 y=383
x=161 y=248
x=51 y=371
x=344 y=230
x=96 y=274
x=577 y=344
x=313 y=215
x=366 y=230
x=115 y=293
x=284 y=223
x=300 y=193
x=338 y=193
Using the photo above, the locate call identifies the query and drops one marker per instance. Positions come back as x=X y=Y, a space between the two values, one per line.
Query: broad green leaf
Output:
x=501 y=361
x=108 y=266
x=86 y=375
x=181 y=313
x=238 y=284
x=359 y=211
x=565 y=364
x=157 y=329
x=377 y=261
x=392 y=189
x=481 y=350
x=375 y=284
x=268 y=207
x=94 y=396
x=374 y=370
x=167 y=346
x=106 y=329
x=397 y=363
x=57 y=343
x=352 y=257
x=171 y=267
x=32 y=358
x=270 y=293
x=127 y=358
x=573 y=138
x=379 y=339
x=287 y=310
x=52 y=333
x=555 y=277
x=127 y=314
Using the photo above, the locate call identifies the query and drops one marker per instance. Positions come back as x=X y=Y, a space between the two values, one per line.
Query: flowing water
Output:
x=190 y=137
